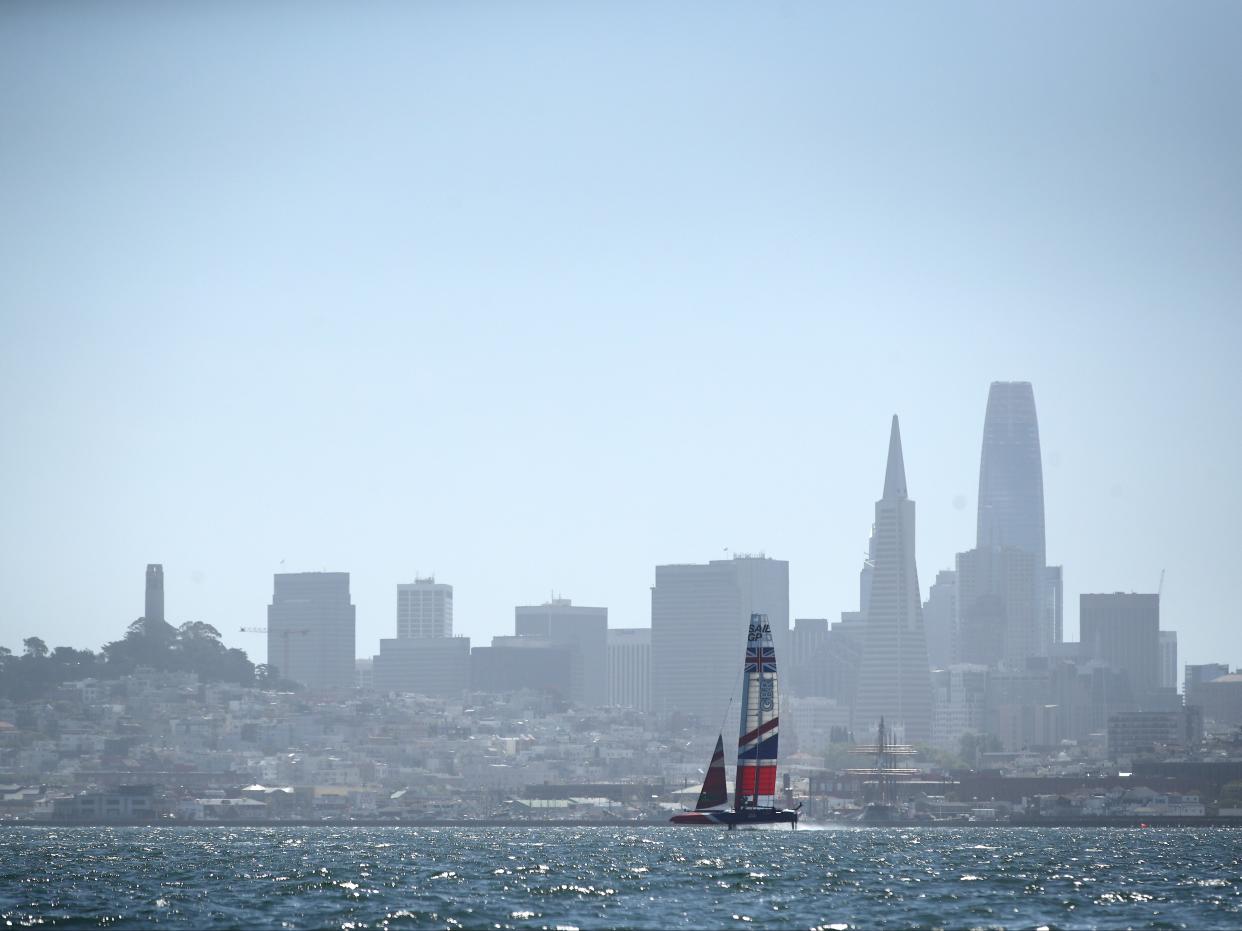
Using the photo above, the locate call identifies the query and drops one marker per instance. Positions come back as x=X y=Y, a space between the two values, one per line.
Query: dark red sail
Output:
x=715 y=792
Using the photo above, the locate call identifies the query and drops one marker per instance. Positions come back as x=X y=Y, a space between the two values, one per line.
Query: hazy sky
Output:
x=537 y=296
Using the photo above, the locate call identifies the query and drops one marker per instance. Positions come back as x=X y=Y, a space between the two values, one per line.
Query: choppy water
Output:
x=620 y=878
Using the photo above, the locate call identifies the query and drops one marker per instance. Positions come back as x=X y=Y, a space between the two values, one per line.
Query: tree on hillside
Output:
x=193 y=647
x=267 y=677
x=198 y=649
x=37 y=671
x=147 y=642
x=972 y=745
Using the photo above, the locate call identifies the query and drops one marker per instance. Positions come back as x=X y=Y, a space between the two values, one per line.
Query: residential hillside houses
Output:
x=162 y=746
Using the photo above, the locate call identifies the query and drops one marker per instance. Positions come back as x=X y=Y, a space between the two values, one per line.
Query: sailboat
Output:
x=754 y=787
x=885 y=774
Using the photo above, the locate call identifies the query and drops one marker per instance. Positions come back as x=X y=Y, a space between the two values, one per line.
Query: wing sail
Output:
x=757 y=743
x=715 y=793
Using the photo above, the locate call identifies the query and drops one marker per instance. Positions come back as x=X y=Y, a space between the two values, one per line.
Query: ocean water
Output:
x=342 y=877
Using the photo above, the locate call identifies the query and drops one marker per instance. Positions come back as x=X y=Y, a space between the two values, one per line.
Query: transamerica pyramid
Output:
x=893 y=680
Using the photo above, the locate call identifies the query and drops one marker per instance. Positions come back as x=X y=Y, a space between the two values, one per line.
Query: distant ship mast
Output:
x=884 y=772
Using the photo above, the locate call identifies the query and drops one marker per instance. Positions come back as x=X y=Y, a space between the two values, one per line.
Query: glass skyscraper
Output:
x=1010 y=600
x=1011 y=475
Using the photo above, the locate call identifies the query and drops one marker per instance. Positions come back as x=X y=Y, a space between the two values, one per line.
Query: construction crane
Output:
x=284 y=639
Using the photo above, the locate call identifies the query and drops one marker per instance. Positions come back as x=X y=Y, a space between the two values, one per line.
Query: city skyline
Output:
x=519 y=308
x=1024 y=404
x=497 y=397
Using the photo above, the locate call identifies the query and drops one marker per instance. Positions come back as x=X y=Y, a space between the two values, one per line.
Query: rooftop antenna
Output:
x=1160 y=587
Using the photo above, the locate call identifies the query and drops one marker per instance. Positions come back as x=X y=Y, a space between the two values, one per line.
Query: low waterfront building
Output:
x=125 y=803
x=1147 y=732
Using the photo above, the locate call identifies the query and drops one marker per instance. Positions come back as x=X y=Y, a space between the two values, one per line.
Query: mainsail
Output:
x=715 y=791
x=756 y=747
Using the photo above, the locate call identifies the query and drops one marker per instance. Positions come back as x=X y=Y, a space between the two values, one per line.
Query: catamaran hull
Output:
x=747 y=817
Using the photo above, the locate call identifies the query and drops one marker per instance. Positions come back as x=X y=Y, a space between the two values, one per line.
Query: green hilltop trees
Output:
x=193 y=647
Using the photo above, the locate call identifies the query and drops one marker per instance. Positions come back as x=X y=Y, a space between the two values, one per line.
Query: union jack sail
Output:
x=756 y=747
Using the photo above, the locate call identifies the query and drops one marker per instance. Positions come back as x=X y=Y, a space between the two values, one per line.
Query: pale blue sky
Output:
x=537 y=296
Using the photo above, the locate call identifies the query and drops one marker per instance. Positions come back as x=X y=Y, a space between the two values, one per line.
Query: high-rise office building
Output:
x=1168 y=660
x=311 y=628
x=585 y=631
x=1053 y=622
x=1199 y=673
x=1011 y=477
x=1009 y=599
x=1220 y=698
x=844 y=655
x=424 y=609
x=1045 y=700
x=438 y=667
x=1123 y=630
x=845 y=639
x=154 y=604
x=524 y=663
x=940 y=620
x=894 y=681
x=1021 y=706
x=1000 y=606
x=629 y=668
x=700 y=615
x=961 y=700
x=806 y=667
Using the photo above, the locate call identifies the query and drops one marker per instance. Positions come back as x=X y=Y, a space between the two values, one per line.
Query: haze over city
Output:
x=505 y=302
x=620 y=464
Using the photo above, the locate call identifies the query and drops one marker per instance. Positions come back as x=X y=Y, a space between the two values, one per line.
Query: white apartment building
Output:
x=629 y=668
x=424 y=609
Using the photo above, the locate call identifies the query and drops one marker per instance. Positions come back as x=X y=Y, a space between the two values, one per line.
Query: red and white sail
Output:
x=755 y=785
x=754 y=800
